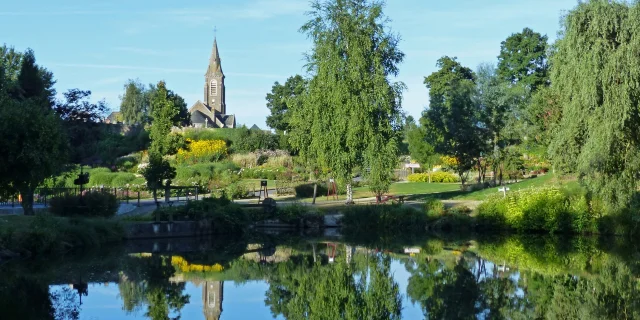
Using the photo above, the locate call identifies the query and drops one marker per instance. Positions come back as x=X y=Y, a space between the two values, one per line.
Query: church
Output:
x=212 y=111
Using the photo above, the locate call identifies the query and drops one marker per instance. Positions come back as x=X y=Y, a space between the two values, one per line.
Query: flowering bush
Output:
x=438 y=176
x=184 y=266
x=202 y=151
x=449 y=161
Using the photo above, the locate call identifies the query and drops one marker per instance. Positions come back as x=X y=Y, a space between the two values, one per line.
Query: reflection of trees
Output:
x=147 y=281
x=454 y=292
x=307 y=290
x=445 y=293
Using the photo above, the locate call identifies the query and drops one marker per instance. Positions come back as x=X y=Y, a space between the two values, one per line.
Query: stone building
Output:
x=212 y=111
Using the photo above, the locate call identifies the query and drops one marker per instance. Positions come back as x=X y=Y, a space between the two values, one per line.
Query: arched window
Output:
x=213 y=88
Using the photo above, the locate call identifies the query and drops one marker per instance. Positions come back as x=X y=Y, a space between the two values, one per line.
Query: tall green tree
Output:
x=421 y=148
x=499 y=105
x=134 y=104
x=523 y=59
x=163 y=142
x=352 y=112
x=596 y=77
x=453 y=116
x=81 y=120
x=33 y=142
x=10 y=61
x=279 y=101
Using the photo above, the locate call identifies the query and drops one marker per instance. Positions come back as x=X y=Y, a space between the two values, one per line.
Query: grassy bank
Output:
x=47 y=234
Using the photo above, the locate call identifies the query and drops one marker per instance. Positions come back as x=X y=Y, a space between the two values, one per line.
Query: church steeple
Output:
x=214 y=61
x=214 y=90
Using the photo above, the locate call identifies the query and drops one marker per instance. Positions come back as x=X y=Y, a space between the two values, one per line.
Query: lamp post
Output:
x=206 y=122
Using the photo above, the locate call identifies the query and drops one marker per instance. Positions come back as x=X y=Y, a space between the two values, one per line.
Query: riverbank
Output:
x=45 y=234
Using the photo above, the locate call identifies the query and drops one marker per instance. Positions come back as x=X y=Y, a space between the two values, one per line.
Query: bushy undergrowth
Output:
x=225 y=217
x=48 y=234
x=91 y=204
x=546 y=209
x=306 y=190
x=202 y=151
x=203 y=173
x=262 y=173
x=437 y=177
x=384 y=219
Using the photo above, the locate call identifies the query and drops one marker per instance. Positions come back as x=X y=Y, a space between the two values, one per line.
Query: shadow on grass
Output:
x=447 y=195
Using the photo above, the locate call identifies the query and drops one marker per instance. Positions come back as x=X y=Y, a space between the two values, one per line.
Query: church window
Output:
x=213 y=88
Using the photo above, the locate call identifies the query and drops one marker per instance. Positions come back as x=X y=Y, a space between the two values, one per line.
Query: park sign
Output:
x=411 y=250
x=412 y=165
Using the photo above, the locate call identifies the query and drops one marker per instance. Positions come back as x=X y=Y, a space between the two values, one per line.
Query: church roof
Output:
x=254 y=127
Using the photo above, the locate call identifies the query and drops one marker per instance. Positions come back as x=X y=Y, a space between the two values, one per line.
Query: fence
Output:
x=42 y=196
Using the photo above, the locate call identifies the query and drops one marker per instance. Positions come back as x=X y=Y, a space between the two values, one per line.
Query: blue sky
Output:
x=97 y=46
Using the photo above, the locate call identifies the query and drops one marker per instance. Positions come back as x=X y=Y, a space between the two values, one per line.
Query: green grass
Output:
x=255 y=183
x=542 y=181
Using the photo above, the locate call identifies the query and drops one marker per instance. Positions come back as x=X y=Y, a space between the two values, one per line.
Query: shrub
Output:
x=383 y=219
x=48 y=234
x=437 y=177
x=202 y=151
x=92 y=204
x=434 y=207
x=306 y=190
x=225 y=217
x=244 y=160
x=538 y=209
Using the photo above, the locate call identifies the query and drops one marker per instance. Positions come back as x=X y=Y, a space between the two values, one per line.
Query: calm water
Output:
x=268 y=277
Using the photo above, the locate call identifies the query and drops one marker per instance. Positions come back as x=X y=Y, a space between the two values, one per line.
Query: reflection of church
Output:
x=212 y=299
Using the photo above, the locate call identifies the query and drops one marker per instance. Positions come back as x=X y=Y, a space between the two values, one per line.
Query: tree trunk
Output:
x=155 y=197
x=430 y=170
x=349 y=194
x=315 y=189
x=27 y=201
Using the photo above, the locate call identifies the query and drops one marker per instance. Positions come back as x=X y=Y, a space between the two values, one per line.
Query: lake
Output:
x=267 y=276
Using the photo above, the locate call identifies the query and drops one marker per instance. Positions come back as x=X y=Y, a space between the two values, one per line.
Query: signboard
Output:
x=412 y=165
x=411 y=250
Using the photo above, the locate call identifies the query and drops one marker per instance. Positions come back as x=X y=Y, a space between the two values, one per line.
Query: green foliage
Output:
x=224 y=216
x=352 y=59
x=137 y=104
x=163 y=142
x=420 y=150
x=239 y=140
x=523 y=59
x=262 y=173
x=47 y=234
x=157 y=171
x=278 y=101
x=595 y=75
x=383 y=220
x=453 y=117
x=306 y=190
x=540 y=209
x=91 y=204
x=436 y=177
x=434 y=207
x=33 y=141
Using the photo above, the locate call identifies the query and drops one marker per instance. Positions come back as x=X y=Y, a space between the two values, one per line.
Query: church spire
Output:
x=214 y=60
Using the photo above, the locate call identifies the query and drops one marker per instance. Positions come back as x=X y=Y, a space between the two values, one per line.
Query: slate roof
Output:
x=113 y=117
x=200 y=113
x=255 y=127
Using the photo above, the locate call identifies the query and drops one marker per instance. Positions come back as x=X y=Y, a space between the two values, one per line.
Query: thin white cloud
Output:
x=163 y=70
x=143 y=51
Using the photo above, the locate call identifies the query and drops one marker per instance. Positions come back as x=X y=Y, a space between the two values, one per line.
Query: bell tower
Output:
x=214 y=91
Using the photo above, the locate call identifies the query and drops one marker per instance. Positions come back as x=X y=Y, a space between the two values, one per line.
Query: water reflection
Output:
x=509 y=278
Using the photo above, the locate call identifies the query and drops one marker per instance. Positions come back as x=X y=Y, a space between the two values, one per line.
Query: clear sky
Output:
x=98 y=45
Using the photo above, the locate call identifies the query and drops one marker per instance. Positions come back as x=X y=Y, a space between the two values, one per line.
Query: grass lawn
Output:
x=16 y=222
x=255 y=183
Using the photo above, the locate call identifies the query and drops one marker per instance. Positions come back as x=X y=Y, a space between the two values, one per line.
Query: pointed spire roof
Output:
x=214 y=60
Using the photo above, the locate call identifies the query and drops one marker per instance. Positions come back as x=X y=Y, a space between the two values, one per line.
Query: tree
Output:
x=498 y=103
x=595 y=76
x=420 y=148
x=279 y=100
x=351 y=114
x=163 y=142
x=453 y=118
x=10 y=61
x=134 y=105
x=523 y=59
x=80 y=119
x=156 y=172
x=33 y=141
